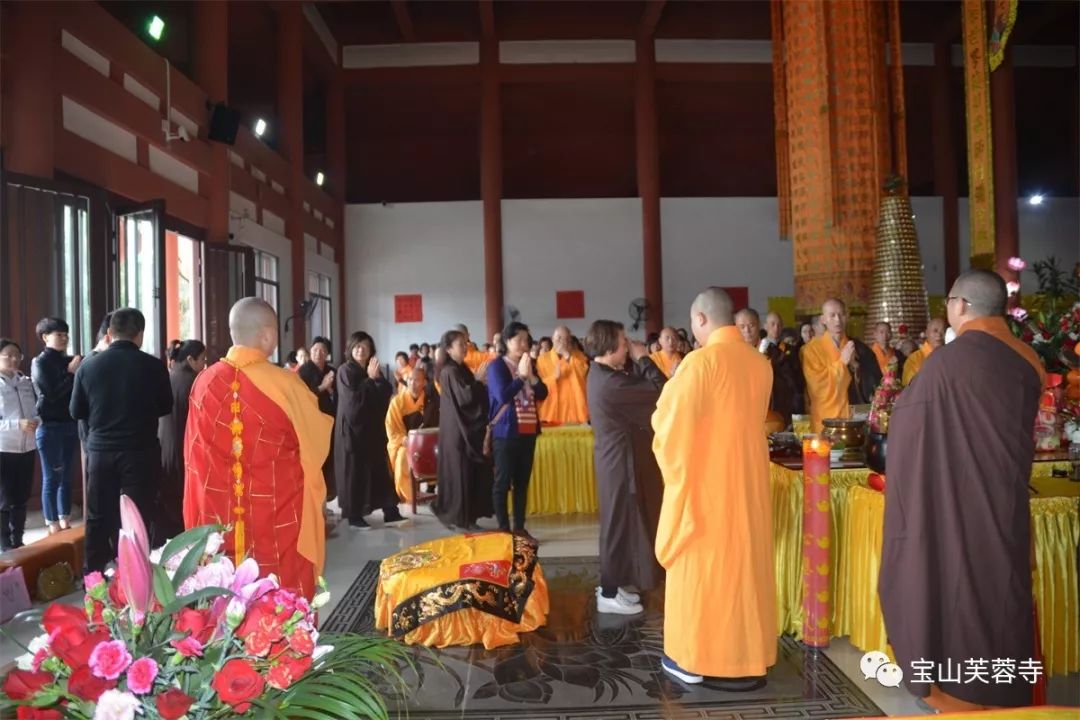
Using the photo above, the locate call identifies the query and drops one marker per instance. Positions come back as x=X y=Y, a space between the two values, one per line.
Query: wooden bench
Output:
x=64 y=546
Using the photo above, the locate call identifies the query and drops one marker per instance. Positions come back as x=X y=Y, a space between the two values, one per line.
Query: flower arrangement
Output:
x=884 y=398
x=187 y=634
x=1053 y=329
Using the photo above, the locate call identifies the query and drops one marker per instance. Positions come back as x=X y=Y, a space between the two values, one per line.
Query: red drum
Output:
x=422 y=451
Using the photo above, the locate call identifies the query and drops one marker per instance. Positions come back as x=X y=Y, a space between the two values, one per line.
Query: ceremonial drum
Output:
x=422 y=451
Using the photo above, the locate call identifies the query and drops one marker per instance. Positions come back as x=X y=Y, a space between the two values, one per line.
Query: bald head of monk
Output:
x=417 y=381
x=935 y=333
x=976 y=294
x=669 y=340
x=711 y=310
x=774 y=325
x=817 y=326
x=560 y=340
x=834 y=318
x=749 y=323
x=253 y=324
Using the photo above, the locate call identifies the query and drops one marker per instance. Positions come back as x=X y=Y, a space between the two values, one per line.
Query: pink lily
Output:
x=133 y=560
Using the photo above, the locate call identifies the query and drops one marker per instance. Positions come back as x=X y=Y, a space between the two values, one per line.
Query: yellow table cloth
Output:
x=857 y=525
x=563 y=479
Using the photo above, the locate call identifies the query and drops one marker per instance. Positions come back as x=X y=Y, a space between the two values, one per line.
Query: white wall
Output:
x=247 y=232
x=595 y=245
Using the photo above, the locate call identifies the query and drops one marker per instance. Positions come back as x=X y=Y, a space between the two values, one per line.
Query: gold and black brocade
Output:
x=506 y=601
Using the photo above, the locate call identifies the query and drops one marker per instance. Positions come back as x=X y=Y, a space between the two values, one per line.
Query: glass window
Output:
x=75 y=276
x=268 y=287
x=322 y=318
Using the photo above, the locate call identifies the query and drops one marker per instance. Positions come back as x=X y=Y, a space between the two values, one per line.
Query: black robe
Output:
x=313 y=375
x=465 y=475
x=628 y=480
x=169 y=517
x=362 y=469
x=955 y=578
x=789 y=384
x=868 y=376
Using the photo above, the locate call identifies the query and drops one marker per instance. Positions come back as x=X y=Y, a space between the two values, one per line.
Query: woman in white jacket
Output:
x=18 y=422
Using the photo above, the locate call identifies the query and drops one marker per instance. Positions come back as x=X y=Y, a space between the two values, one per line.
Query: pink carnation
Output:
x=188 y=647
x=92 y=580
x=109 y=659
x=141 y=675
x=1019 y=314
x=1017 y=264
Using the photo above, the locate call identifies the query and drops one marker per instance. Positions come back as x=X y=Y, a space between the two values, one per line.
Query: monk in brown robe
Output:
x=955 y=581
x=882 y=347
x=787 y=389
x=774 y=325
x=668 y=357
x=563 y=369
x=840 y=371
x=410 y=409
x=715 y=533
x=935 y=338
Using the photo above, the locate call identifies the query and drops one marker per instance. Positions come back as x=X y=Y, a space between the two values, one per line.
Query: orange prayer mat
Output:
x=462 y=590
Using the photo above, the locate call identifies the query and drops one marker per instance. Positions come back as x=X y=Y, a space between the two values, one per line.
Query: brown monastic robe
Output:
x=955 y=578
x=628 y=480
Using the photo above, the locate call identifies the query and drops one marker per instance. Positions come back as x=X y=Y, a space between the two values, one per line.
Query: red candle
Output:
x=817 y=604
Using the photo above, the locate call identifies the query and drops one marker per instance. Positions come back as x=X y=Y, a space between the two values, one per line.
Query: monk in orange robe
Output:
x=474 y=357
x=715 y=534
x=882 y=347
x=935 y=338
x=410 y=409
x=254 y=450
x=668 y=357
x=839 y=371
x=563 y=369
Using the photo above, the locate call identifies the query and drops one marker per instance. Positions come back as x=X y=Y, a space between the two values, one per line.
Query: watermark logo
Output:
x=876 y=665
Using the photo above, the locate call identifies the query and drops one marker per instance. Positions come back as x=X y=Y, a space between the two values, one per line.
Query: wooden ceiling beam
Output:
x=404 y=20
x=651 y=17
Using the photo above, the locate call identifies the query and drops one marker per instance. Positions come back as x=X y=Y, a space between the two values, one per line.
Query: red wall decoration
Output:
x=408 y=308
x=570 y=304
x=740 y=297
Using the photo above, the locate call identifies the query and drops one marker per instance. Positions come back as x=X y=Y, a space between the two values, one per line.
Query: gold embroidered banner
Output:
x=979 y=134
x=896 y=88
x=1004 y=19
x=783 y=154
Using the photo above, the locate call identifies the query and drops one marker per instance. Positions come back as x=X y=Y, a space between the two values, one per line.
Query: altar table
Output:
x=563 y=479
x=858 y=515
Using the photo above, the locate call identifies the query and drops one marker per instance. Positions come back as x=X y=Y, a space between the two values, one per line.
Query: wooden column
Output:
x=211 y=69
x=335 y=136
x=1003 y=117
x=290 y=114
x=945 y=169
x=648 y=181
x=31 y=105
x=491 y=182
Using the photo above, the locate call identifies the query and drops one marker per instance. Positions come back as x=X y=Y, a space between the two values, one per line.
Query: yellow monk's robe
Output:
x=666 y=363
x=884 y=356
x=827 y=380
x=397 y=431
x=715 y=533
x=474 y=358
x=267 y=415
x=566 y=401
x=914 y=363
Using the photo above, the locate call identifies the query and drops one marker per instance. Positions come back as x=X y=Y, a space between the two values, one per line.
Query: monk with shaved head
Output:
x=935 y=338
x=715 y=532
x=955 y=580
x=254 y=451
x=563 y=369
x=668 y=357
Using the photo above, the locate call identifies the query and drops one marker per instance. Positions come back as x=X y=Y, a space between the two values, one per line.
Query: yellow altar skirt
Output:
x=460 y=591
x=563 y=479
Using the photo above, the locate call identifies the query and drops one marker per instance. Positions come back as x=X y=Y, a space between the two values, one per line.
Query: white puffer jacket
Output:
x=18 y=401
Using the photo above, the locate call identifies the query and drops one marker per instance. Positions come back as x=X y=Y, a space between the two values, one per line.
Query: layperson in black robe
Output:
x=629 y=483
x=955 y=582
x=188 y=360
x=465 y=475
x=789 y=384
x=318 y=374
x=364 y=480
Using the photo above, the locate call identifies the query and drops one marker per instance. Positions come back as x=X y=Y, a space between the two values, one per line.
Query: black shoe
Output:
x=392 y=516
x=359 y=524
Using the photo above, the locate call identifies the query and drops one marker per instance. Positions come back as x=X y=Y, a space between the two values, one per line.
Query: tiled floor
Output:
x=562 y=537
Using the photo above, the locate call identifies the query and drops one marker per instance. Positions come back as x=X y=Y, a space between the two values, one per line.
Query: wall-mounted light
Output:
x=260 y=127
x=156 y=27
x=319 y=178
x=1036 y=199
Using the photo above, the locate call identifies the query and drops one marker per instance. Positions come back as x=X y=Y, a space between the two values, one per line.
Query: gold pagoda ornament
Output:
x=898 y=287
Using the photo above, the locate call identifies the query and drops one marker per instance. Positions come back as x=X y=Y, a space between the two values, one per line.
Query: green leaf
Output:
x=190 y=563
x=163 y=586
x=191 y=598
x=187 y=539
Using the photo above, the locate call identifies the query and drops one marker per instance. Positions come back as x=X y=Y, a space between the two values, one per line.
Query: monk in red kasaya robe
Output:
x=254 y=450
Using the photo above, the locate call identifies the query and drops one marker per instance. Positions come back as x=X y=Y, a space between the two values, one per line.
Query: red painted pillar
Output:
x=945 y=170
x=1006 y=218
x=211 y=69
x=290 y=111
x=648 y=181
x=491 y=182
x=335 y=136
x=31 y=105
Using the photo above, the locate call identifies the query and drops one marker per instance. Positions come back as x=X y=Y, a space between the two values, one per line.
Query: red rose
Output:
x=196 y=622
x=280 y=677
x=63 y=618
x=237 y=683
x=173 y=703
x=74 y=646
x=32 y=713
x=22 y=684
x=257 y=644
x=87 y=686
x=298 y=666
x=300 y=641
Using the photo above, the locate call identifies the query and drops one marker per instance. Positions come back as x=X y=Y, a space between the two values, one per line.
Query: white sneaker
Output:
x=617 y=605
x=631 y=598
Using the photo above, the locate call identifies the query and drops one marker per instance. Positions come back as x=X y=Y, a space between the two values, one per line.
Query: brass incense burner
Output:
x=847 y=434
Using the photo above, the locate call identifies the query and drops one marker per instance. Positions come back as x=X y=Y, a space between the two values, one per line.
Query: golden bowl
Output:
x=848 y=434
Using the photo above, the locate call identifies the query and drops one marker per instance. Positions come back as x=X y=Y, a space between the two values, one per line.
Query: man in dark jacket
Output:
x=121 y=392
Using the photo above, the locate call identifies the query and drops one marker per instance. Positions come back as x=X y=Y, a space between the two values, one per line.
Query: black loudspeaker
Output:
x=224 y=122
